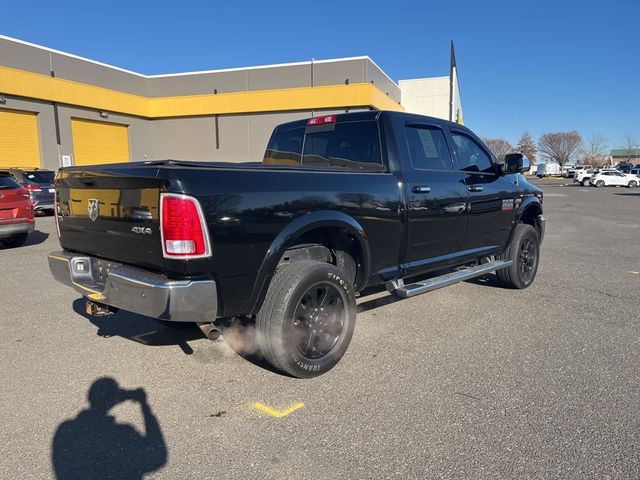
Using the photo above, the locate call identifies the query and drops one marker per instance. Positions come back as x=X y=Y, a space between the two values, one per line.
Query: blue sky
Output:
x=537 y=66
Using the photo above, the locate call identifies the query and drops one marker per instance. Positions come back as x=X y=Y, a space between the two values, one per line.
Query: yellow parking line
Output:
x=275 y=413
x=635 y=273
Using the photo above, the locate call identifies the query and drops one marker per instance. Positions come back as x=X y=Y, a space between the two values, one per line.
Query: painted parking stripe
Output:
x=277 y=413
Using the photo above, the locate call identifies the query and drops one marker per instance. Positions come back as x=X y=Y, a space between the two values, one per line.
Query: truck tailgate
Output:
x=112 y=213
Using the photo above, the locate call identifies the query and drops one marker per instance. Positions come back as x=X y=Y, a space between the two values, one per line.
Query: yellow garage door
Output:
x=19 y=142
x=99 y=142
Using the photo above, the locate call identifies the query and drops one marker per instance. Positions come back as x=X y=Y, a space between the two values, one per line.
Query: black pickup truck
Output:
x=340 y=203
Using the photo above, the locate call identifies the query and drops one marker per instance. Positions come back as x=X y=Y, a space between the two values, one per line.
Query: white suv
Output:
x=583 y=177
x=618 y=179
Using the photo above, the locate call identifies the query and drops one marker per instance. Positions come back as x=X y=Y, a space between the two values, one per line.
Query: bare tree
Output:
x=527 y=146
x=630 y=143
x=595 y=153
x=499 y=146
x=560 y=147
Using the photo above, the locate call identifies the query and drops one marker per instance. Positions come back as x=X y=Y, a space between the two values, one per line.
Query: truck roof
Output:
x=367 y=115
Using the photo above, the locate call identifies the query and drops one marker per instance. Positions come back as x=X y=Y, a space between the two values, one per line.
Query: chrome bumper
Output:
x=8 y=230
x=42 y=206
x=136 y=290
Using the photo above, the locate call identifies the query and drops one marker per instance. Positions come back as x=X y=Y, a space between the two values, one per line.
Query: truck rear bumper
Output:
x=136 y=290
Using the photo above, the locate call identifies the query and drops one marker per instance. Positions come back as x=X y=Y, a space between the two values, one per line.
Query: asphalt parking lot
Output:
x=472 y=381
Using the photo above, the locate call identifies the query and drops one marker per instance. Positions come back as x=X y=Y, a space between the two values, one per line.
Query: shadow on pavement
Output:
x=93 y=445
x=36 y=238
x=488 y=280
x=239 y=334
x=141 y=329
x=628 y=194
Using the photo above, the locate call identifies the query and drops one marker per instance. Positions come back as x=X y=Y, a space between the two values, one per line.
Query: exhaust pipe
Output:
x=210 y=330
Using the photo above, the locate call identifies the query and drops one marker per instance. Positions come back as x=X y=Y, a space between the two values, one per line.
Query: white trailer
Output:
x=548 y=170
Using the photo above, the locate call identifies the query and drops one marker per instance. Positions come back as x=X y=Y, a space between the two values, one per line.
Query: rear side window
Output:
x=471 y=157
x=39 y=176
x=7 y=182
x=285 y=147
x=428 y=148
x=349 y=145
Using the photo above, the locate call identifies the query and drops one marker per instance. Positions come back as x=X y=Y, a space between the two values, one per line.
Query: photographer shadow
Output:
x=93 y=445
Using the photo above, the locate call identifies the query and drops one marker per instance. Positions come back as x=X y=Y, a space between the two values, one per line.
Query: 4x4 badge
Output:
x=94 y=209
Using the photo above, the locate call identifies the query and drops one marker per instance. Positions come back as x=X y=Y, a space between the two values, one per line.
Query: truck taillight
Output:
x=184 y=230
x=321 y=120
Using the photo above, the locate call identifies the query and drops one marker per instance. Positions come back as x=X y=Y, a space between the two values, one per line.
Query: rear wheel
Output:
x=524 y=251
x=15 y=240
x=585 y=182
x=306 y=322
x=632 y=184
x=600 y=183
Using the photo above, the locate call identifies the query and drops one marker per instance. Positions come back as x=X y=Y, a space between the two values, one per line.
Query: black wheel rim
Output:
x=318 y=321
x=527 y=258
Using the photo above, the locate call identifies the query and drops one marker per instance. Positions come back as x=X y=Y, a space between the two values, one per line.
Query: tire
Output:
x=524 y=251
x=307 y=319
x=15 y=241
x=585 y=183
x=632 y=184
x=600 y=183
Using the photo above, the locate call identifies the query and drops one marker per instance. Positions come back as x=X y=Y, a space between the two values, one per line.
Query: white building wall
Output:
x=426 y=96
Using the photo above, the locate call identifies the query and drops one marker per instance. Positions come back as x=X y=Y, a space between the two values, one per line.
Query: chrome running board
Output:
x=405 y=291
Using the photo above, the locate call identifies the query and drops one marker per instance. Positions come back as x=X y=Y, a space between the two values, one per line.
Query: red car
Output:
x=16 y=213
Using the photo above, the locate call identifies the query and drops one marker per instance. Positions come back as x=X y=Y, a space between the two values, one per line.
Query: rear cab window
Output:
x=343 y=145
x=285 y=147
x=352 y=145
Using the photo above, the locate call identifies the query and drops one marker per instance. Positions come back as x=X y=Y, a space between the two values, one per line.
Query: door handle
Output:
x=475 y=188
x=420 y=189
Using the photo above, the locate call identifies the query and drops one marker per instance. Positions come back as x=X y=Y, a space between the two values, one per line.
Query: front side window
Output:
x=350 y=145
x=285 y=147
x=471 y=157
x=428 y=148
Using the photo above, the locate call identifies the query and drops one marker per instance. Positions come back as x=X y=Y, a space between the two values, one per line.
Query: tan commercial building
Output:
x=57 y=109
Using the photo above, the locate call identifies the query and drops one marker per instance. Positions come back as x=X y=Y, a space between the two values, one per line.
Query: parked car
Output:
x=583 y=177
x=574 y=171
x=341 y=202
x=624 y=167
x=635 y=171
x=38 y=182
x=617 y=179
x=16 y=213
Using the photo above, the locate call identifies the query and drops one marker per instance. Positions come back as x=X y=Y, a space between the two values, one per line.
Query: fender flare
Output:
x=294 y=230
x=529 y=202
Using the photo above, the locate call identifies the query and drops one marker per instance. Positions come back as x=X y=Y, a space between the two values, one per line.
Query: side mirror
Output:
x=516 y=163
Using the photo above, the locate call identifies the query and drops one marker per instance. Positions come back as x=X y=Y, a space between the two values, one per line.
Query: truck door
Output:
x=491 y=208
x=436 y=198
